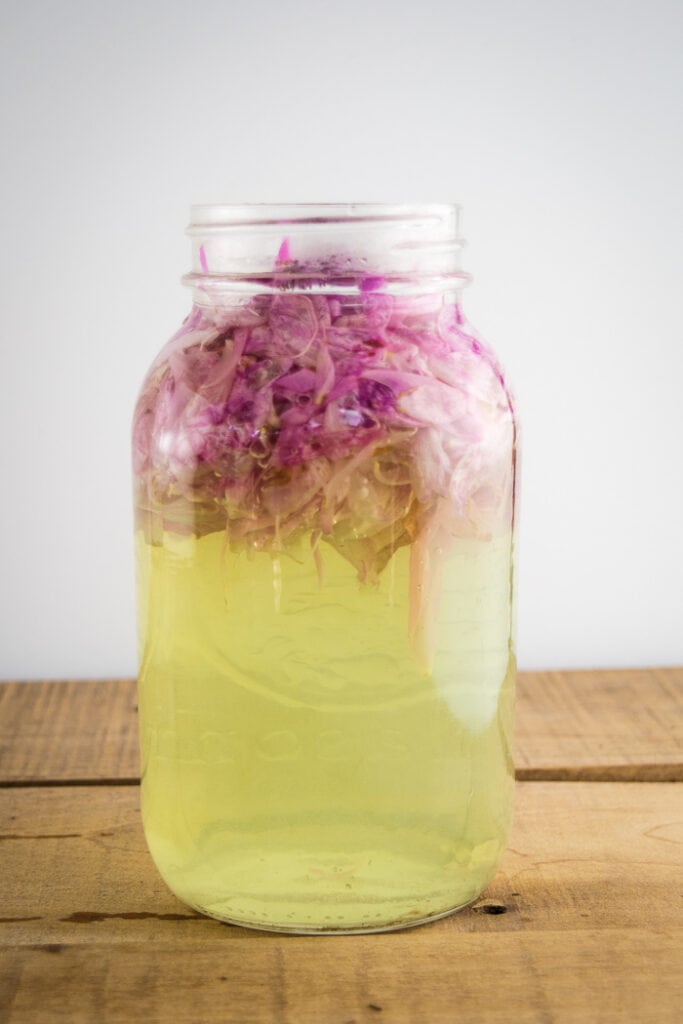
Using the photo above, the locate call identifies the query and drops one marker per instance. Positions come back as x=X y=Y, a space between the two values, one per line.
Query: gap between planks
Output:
x=616 y=773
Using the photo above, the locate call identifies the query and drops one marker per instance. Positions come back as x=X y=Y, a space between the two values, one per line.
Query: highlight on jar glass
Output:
x=324 y=465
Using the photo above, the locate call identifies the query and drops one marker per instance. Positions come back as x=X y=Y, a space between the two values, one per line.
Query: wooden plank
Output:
x=583 y=977
x=69 y=730
x=591 y=928
x=575 y=849
x=594 y=725
x=617 y=724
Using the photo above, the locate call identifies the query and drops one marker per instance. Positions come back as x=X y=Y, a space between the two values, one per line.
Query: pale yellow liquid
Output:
x=300 y=771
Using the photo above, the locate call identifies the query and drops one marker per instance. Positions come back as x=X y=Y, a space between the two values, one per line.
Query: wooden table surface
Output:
x=583 y=922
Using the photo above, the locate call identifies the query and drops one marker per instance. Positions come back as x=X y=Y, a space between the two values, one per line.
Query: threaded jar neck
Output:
x=324 y=247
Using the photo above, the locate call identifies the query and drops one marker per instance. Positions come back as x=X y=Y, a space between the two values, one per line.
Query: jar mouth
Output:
x=252 y=247
x=224 y=215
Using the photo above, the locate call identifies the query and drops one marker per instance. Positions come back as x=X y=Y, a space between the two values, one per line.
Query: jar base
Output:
x=341 y=879
x=370 y=929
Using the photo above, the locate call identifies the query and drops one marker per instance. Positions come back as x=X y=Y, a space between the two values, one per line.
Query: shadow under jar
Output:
x=324 y=462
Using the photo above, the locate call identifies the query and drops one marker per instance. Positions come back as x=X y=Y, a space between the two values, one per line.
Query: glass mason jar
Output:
x=324 y=460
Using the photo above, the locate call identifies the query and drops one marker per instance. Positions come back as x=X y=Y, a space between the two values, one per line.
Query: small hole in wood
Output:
x=490 y=908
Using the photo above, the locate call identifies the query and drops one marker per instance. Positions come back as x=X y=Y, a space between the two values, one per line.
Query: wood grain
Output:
x=69 y=731
x=618 y=724
x=595 y=725
x=583 y=977
x=590 y=928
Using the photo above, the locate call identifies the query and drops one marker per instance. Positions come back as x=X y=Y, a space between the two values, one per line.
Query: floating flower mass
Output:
x=366 y=419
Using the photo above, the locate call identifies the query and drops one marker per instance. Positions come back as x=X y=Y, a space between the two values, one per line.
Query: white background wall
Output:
x=557 y=124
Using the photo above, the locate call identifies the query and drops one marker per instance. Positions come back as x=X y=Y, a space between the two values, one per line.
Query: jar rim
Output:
x=207 y=215
x=324 y=246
